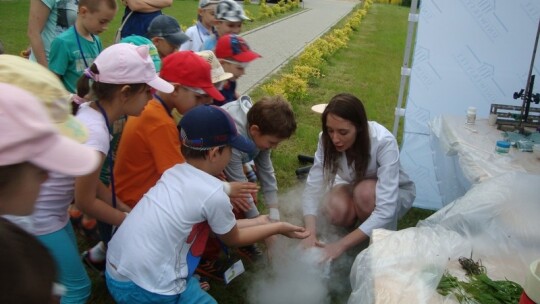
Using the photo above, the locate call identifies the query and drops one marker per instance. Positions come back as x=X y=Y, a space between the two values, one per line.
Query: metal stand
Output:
x=405 y=69
x=528 y=96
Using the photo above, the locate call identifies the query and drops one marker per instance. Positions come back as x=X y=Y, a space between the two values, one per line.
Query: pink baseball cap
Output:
x=125 y=63
x=28 y=135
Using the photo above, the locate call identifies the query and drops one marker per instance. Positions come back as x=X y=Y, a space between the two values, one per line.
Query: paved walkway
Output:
x=284 y=39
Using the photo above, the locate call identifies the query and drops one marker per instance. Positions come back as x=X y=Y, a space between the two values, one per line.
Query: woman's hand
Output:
x=330 y=251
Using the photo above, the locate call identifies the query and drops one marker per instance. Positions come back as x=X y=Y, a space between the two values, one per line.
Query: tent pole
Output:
x=527 y=96
x=405 y=69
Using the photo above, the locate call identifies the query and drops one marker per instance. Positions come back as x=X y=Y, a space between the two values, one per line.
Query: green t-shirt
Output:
x=62 y=15
x=69 y=60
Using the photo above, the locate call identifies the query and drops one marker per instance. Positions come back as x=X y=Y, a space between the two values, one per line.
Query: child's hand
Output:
x=241 y=203
x=310 y=241
x=242 y=189
x=293 y=231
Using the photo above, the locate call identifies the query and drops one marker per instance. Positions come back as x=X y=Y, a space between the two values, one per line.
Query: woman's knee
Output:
x=364 y=195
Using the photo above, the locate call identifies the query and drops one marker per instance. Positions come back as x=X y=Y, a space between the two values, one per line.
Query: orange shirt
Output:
x=149 y=145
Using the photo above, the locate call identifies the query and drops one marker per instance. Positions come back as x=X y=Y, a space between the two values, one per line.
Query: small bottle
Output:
x=471 y=115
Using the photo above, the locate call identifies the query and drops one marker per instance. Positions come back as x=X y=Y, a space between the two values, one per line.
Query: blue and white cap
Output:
x=231 y=11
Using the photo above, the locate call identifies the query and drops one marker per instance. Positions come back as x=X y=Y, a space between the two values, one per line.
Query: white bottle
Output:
x=471 y=115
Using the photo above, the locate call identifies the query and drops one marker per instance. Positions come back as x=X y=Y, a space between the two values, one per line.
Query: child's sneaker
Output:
x=98 y=267
x=250 y=253
x=212 y=269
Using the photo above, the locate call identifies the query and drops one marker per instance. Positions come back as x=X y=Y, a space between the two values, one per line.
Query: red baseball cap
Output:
x=189 y=69
x=234 y=47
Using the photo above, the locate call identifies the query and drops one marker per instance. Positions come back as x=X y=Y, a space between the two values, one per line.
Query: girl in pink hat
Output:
x=119 y=83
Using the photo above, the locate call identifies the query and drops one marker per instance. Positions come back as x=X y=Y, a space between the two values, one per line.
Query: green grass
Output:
x=14 y=21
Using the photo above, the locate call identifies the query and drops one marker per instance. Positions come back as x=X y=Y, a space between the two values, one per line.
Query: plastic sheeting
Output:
x=497 y=221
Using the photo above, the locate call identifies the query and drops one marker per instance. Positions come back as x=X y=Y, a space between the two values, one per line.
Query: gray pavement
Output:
x=282 y=40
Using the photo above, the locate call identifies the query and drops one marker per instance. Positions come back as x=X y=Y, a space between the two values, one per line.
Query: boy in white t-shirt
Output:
x=152 y=256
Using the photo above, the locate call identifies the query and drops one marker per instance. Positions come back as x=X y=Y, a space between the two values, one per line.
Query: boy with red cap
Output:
x=150 y=143
x=234 y=55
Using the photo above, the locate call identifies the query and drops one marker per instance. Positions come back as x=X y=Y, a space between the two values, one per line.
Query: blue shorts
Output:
x=129 y=292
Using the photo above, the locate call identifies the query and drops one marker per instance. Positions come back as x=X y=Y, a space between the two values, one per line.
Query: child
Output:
x=30 y=148
x=229 y=18
x=234 y=55
x=268 y=122
x=150 y=143
x=75 y=49
x=152 y=256
x=198 y=33
x=166 y=34
x=121 y=79
x=49 y=222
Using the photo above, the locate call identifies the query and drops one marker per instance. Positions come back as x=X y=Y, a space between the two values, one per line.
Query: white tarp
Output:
x=467 y=53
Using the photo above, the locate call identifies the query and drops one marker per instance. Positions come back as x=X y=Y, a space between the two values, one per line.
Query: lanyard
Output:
x=199 y=29
x=80 y=47
x=109 y=154
x=163 y=104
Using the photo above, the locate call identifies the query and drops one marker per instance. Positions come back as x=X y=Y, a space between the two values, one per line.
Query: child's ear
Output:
x=83 y=10
x=125 y=92
x=155 y=41
x=254 y=129
x=213 y=153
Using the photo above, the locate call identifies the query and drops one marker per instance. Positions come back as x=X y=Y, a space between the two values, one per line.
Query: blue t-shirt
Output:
x=228 y=91
x=138 y=23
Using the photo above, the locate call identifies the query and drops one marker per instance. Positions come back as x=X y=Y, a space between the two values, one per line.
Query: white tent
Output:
x=467 y=53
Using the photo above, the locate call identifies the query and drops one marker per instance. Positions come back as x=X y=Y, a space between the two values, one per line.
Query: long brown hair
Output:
x=349 y=107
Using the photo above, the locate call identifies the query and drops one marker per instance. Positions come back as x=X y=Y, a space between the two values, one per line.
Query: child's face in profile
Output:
x=137 y=101
x=264 y=141
x=163 y=47
x=224 y=27
x=236 y=68
x=186 y=99
x=96 y=22
x=208 y=15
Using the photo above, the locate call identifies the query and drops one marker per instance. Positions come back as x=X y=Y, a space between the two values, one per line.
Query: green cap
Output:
x=140 y=40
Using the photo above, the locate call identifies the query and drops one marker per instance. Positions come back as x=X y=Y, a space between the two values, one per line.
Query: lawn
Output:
x=14 y=21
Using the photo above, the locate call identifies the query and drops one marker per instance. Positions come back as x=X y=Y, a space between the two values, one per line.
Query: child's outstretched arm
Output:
x=252 y=234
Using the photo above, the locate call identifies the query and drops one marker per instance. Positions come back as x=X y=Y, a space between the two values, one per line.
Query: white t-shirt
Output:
x=50 y=213
x=98 y=133
x=154 y=245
